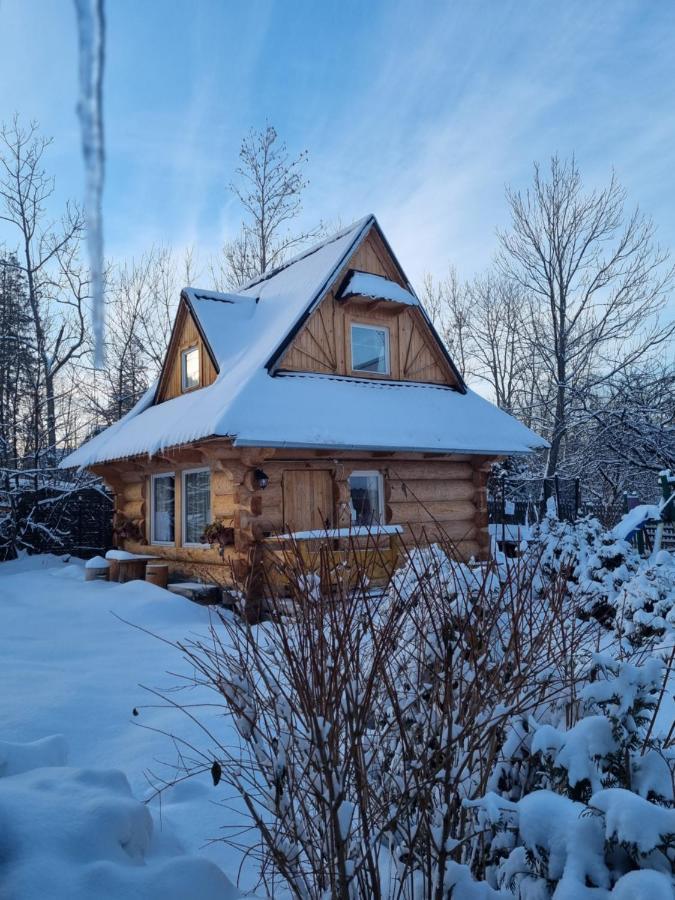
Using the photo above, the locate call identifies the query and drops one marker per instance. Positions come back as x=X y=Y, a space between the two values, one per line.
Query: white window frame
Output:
x=183 y=523
x=183 y=369
x=153 y=479
x=385 y=328
x=380 y=490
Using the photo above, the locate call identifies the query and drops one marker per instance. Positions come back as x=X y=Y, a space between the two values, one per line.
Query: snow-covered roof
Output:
x=254 y=406
x=365 y=284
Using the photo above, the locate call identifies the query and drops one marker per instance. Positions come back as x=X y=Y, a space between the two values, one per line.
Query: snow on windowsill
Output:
x=331 y=533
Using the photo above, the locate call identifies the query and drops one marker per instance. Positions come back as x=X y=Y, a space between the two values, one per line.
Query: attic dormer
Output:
x=188 y=364
x=370 y=325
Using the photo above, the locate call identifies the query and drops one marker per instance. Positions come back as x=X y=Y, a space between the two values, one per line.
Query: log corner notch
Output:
x=482 y=466
x=242 y=497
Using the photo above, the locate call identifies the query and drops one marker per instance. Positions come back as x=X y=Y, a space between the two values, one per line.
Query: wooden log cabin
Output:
x=317 y=397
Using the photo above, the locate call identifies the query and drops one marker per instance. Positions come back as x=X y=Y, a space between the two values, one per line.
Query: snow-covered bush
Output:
x=594 y=562
x=609 y=579
x=599 y=805
x=368 y=719
x=456 y=736
x=645 y=603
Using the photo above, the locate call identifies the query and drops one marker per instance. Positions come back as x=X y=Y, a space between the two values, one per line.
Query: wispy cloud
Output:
x=420 y=113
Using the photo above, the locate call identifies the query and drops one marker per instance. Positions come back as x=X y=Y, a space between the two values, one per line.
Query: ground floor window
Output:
x=162 y=524
x=366 y=492
x=196 y=505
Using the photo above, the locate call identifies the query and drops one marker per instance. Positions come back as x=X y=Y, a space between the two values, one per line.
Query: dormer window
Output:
x=370 y=349
x=190 y=368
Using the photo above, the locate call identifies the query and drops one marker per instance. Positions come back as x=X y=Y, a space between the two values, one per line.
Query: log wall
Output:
x=430 y=497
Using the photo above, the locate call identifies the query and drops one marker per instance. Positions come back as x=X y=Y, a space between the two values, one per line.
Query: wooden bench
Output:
x=127 y=566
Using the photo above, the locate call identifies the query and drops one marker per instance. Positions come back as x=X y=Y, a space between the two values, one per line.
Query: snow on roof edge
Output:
x=218 y=296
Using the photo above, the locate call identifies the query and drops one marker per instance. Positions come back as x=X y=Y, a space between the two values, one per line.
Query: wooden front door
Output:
x=308 y=499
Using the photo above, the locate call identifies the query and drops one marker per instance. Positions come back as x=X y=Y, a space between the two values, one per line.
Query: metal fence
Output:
x=519 y=502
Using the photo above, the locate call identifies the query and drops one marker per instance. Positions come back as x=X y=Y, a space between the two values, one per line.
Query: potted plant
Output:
x=126 y=529
x=219 y=535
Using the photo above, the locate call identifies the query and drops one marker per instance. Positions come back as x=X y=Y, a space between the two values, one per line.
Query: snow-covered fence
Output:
x=56 y=519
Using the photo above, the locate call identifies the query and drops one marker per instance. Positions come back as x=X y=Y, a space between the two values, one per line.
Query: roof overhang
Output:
x=380 y=448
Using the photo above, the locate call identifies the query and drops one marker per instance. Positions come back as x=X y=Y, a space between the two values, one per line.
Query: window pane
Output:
x=369 y=349
x=163 y=509
x=190 y=368
x=197 y=506
x=365 y=499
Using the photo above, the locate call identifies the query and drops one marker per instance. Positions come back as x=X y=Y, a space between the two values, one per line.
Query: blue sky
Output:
x=418 y=111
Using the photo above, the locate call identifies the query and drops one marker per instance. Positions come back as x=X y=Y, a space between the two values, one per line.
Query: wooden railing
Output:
x=338 y=555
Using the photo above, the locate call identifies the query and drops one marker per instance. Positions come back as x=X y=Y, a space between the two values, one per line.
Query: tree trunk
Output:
x=51 y=418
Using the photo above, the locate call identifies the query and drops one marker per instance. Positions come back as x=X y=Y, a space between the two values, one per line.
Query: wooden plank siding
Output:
x=323 y=344
x=429 y=497
x=185 y=335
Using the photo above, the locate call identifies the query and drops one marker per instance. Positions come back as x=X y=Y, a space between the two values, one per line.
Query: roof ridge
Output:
x=218 y=296
x=357 y=225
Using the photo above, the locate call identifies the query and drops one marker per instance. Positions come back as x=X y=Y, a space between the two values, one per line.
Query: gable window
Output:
x=190 y=368
x=370 y=349
x=366 y=496
x=162 y=523
x=196 y=506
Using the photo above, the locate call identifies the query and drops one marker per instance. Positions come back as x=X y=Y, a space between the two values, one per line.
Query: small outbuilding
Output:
x=316 y=402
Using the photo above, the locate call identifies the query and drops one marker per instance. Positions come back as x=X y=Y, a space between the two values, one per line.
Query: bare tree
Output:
x=156 y=282
x=595 y=283
x=480 y=322
x=17 y=366
x=269 y=186
x=57 y=289
x=141 y=298
x=629 y=434
x=446 y=303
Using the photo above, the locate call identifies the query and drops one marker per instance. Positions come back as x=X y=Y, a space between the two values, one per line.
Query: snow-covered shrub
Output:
x=594 y=562
x=645 y=603
x=367 y=719
x=456 y=736
x=599 y=804
x=609 y=579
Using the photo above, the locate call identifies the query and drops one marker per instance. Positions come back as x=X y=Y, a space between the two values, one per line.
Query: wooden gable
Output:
x=185 y=334
x=323 y=344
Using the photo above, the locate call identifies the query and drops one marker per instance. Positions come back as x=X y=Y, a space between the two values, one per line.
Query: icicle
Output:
x=91 y=30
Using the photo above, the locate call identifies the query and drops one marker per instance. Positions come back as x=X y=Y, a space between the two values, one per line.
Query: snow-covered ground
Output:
x=70 y=666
